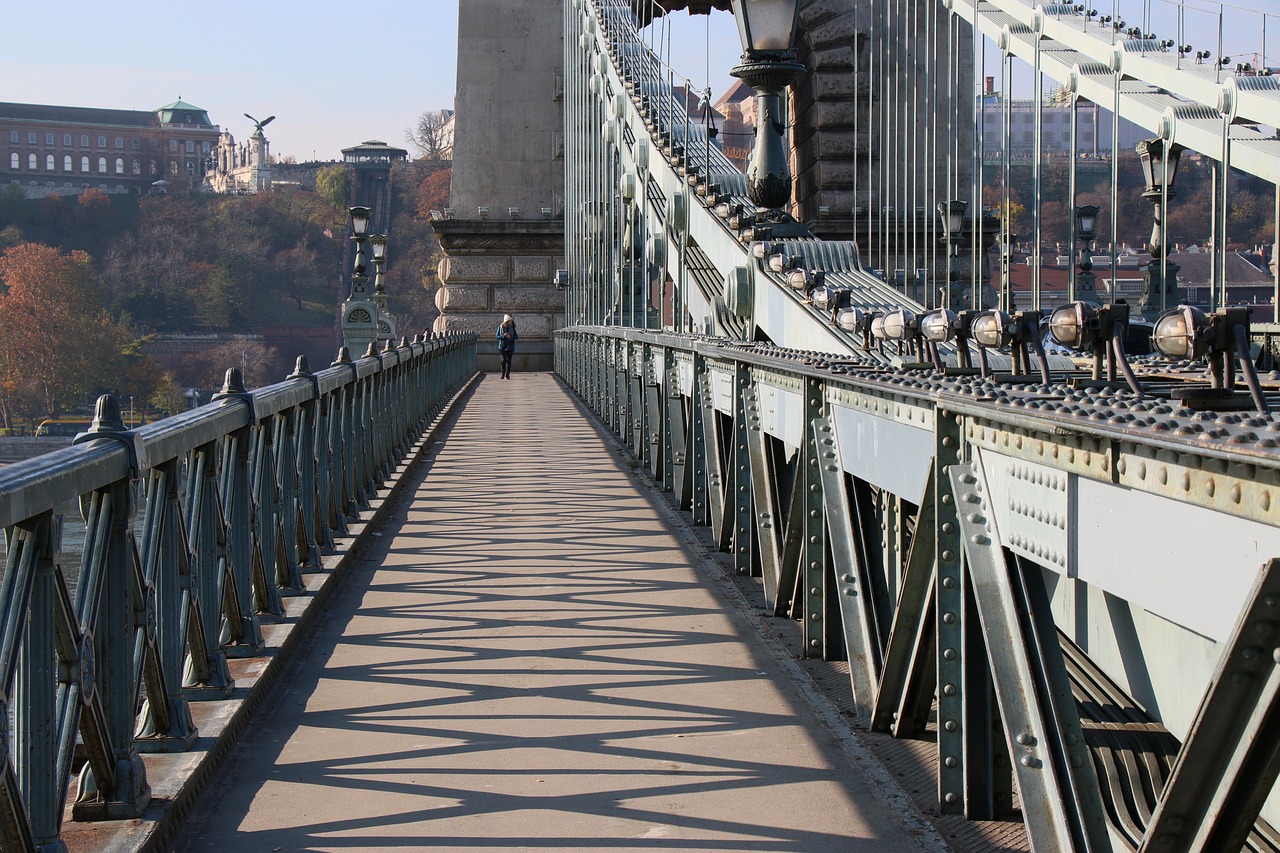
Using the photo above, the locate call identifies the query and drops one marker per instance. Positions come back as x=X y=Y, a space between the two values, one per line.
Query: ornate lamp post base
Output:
x=768 y=174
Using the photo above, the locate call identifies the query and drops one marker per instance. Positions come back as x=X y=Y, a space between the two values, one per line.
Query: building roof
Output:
x=373 y=150
x=81 y=115
x=180 y=112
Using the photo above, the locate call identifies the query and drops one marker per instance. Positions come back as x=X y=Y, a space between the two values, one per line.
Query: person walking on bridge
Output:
x=507 y=337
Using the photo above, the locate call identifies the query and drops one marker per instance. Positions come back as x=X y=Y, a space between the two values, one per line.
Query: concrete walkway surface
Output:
x=531 y=659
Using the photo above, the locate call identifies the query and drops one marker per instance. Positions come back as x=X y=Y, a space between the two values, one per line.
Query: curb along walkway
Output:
x=529 y=659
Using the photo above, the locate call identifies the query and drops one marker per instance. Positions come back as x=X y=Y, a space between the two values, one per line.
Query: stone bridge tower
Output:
x=503 y=235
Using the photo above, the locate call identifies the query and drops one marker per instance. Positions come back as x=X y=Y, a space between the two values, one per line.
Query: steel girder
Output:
x=974 y=588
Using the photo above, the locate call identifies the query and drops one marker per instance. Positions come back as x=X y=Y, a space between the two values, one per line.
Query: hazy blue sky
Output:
x=336 y=74
x=333 y=74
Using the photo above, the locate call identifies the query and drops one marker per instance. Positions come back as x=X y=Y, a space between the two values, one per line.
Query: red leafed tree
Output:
x=55 y=337
x=433 y=192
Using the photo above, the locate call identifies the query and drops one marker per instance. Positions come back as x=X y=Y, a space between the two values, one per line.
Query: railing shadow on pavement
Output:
x=198 y=530
x=473 y=672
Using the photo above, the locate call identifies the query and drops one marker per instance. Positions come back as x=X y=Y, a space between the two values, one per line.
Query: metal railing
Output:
x=1064 y=586
x=195 y=527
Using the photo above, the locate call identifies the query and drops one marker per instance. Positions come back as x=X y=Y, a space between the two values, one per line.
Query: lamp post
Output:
x=951 y=215
x=1084 y=286
x=359 y=312
x=1160 y=277
x=767 y=29
x=386 y=324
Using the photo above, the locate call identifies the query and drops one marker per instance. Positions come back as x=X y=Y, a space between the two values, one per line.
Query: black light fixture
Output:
x=359 y=220
x=378 y=243
x=1100 y=329
x=1188 y=333
x=1086 y=232
x=951 y=214
x=767 y=30
x=1159 y=170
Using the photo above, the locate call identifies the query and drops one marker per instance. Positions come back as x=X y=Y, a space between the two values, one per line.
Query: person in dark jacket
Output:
x=507 y=337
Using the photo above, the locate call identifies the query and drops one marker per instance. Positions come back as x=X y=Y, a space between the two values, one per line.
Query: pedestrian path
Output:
x=530 y=659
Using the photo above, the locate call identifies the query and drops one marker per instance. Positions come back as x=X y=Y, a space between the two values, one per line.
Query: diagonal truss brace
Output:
x=1231 y=757
x=848 y=563
x=1060 y=798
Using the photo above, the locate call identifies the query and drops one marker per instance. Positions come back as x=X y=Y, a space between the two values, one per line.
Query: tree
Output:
x=333 y=184
x=427 y=135
x=53 y=330
x=433 y=192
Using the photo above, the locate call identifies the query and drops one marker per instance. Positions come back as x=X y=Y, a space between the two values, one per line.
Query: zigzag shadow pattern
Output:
x=530 y=660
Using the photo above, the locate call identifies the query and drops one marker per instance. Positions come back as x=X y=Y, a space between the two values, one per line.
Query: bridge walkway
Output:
x=532 y=658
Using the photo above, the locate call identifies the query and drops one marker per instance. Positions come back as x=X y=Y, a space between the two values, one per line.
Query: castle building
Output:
x=242 y=169
x=54 y=149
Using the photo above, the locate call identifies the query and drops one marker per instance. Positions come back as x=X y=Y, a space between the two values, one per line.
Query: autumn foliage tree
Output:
x=56 y=341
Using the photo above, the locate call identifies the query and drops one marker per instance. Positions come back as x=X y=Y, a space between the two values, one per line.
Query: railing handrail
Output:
x=194 y=525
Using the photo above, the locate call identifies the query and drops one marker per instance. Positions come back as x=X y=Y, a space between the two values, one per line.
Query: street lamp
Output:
x=359 y=312
x=379 y=244
x=951 y=215
x=1086 y=232
x=1159 y=169
x=386 y=326
x=767 y=29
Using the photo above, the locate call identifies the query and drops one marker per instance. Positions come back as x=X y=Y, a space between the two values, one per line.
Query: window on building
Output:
x=66 y=163
x=173 y=167
x=119 y=165
x=173 y=145
x=31 y=162
x=191 y=146
x=102 y=165
x=13 y=136
x=191 y=167
x=84 y=140
x=137 y=166
x=119 y=142
x=31 y=137
x=84 y=164
x=102 y=142
x=206 y=148
x=50 y=163
x=15 y=162
x=66 y=139
x=153 y=168
x=48 y=139
x=135 y=144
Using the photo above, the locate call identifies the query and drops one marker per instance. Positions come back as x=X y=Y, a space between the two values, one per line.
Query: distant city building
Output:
x=737 y=108
x=65 y=150
x=242 y=169
x=370 y=162
x=1094 y=126
x=444 y=136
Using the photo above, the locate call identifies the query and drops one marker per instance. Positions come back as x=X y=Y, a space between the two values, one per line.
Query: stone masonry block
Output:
x=532 y=269
x=465 y=269
x=453 y=297
x=832 y=84
x=514 y=298
x=839 y=30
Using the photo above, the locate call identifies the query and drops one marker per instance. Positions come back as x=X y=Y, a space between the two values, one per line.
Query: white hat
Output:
x=506 y=318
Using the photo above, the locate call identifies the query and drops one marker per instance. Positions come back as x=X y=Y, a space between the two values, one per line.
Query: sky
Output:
x=329 y=90
x=298 y=61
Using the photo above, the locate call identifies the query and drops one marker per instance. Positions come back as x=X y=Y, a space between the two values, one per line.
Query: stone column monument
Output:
x=503 y=234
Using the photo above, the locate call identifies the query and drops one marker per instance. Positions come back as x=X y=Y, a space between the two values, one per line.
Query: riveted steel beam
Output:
x=849 y=564
x=1060 y=799
x=1231 y=758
